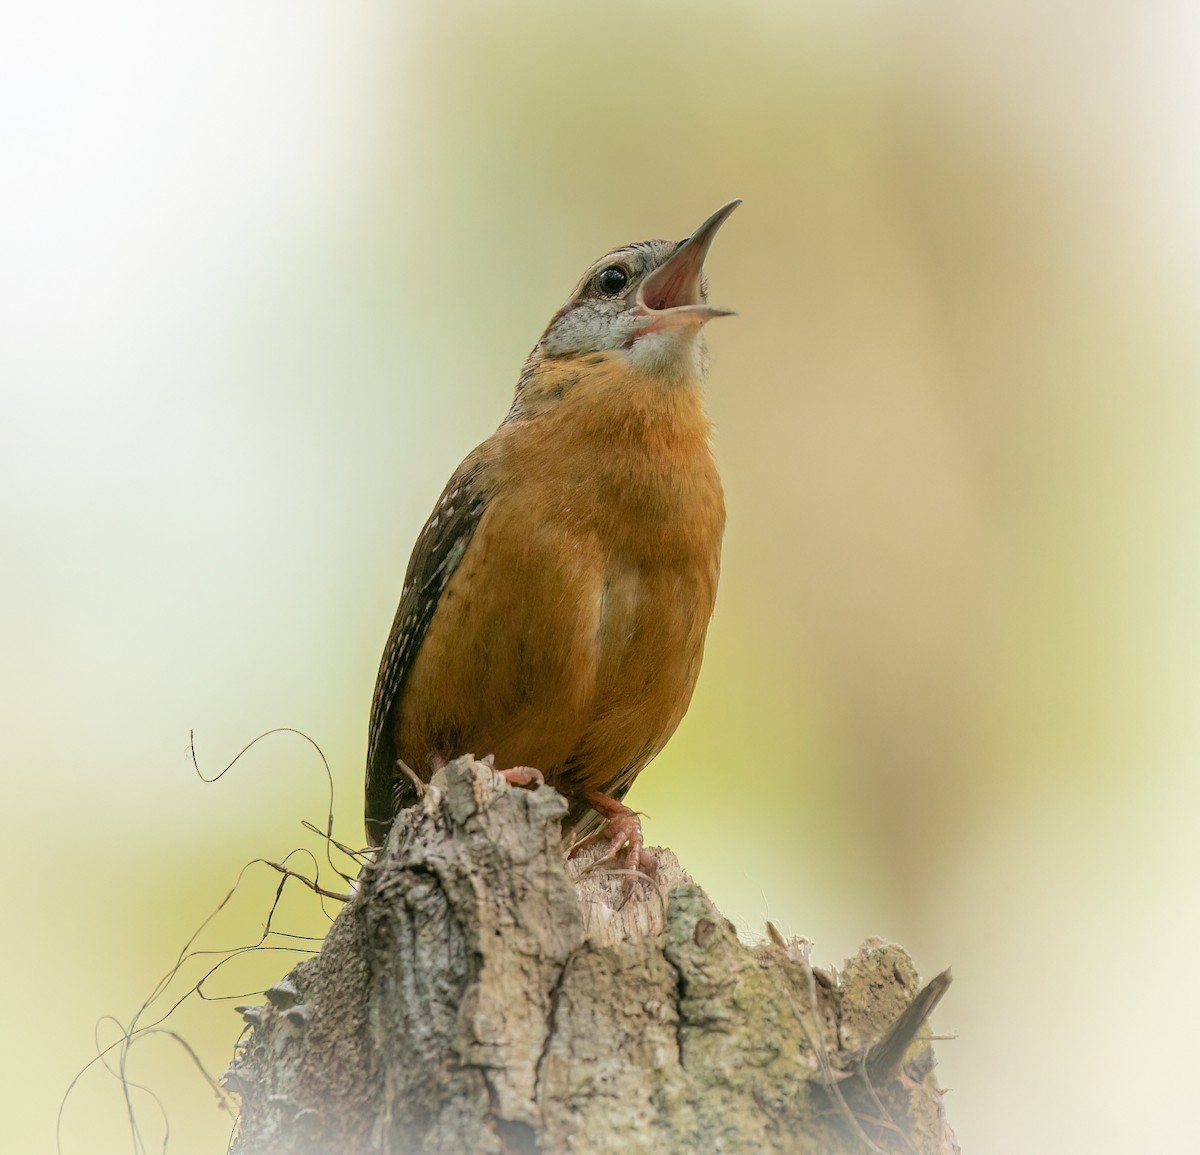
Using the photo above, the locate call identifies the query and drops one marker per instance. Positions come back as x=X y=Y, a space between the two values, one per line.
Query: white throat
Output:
x=673 y=352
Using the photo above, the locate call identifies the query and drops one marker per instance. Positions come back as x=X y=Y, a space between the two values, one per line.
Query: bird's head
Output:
x=647 y=301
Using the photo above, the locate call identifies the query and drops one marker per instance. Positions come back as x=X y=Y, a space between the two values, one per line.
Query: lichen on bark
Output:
x=479 y=993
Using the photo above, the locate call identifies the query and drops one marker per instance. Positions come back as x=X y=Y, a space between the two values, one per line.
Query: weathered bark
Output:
x=476 y=996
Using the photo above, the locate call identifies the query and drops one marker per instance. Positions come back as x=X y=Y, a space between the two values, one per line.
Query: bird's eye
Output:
x=612 y=280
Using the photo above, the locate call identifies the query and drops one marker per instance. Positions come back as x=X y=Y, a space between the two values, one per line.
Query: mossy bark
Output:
x=479 y=994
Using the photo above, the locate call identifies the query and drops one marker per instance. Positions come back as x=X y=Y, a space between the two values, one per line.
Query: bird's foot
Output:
x=522 y=776
x=621 y=831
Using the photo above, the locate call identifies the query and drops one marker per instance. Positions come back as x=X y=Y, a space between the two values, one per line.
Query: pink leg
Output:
x=517 y=776
x=522 y=776
x=622 y=831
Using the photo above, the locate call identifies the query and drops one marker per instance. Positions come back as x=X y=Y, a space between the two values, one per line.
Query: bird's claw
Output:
x=622 y=831
x=522 y=776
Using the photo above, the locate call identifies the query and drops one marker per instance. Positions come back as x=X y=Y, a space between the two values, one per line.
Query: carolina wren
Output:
x=556 y=602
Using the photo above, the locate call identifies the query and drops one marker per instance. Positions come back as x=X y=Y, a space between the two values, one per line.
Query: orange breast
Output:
x=571 y=634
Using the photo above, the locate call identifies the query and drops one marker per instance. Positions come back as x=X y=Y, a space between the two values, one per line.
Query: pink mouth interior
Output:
x=676 y=288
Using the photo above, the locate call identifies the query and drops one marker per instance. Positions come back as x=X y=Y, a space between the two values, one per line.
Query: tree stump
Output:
x=480 y=993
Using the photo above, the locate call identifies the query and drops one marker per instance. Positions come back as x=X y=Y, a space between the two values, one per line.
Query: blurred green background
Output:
x=270 y=269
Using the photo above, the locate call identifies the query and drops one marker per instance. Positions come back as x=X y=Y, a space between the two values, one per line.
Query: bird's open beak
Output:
x=670 y=296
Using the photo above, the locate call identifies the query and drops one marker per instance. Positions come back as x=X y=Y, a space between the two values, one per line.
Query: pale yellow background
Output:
x=268 y=270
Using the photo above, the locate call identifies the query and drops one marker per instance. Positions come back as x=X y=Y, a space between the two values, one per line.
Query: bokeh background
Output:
x=269 y=270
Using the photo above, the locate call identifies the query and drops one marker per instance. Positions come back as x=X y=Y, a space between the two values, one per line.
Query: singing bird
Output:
x=556 y=602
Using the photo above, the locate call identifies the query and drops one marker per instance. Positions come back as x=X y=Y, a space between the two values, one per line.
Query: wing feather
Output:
x=439 y=548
